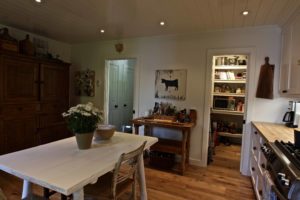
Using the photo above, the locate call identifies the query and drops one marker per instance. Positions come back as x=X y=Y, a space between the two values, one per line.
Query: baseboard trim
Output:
x=197 y=162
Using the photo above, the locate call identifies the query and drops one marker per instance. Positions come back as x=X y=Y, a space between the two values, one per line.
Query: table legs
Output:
x=27 y=189
x=142 y=179
x=78 y=195
x=188 y=147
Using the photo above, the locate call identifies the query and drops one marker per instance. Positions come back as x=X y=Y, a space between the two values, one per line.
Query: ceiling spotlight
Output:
x=162 y=23
x=102 y=31
x=245 y=12
x=38 y=1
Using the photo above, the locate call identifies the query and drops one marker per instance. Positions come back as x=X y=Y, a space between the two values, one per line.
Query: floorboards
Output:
x=221 y=180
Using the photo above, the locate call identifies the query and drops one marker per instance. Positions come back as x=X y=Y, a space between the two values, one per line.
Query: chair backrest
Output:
x=126 y=167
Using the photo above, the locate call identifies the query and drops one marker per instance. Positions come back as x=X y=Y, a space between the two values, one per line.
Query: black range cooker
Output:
x=284 y=168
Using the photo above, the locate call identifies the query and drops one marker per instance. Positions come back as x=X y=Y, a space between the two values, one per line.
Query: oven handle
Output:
x=281 y=197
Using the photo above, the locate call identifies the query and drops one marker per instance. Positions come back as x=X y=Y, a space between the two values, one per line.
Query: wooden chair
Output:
x=113 y=184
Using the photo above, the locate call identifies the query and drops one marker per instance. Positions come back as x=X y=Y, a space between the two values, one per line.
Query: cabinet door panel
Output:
x=20 y=80
x=20 y=133
x=290 y=62
x=285 y=60
x=2 y=139
x=54 y=83
x=294 y=81
x=53 y=133
x=50 y=119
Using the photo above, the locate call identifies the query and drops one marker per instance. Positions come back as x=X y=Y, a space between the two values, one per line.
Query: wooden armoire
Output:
x=33 y=94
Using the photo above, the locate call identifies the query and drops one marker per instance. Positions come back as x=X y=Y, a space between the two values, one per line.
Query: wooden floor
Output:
x=220 y=180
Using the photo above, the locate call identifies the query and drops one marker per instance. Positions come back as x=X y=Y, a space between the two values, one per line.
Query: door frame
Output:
x=250 y=95
x=106 y=86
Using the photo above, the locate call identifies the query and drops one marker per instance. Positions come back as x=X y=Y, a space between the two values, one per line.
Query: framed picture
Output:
x=85 y=83
x=170 y=84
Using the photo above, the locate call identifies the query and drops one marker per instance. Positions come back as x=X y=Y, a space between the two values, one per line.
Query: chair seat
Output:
x=101 y=190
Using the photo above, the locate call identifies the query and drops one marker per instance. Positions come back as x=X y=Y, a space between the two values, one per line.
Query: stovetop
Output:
x=284 y=167
x=290 y=151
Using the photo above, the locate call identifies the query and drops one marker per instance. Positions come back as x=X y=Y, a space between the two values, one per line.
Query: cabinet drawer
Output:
x=262 y=163
x=253 y=171
x=54 y=107
x=259 y=188
x=255 y=148
x=255 y=135
x=50 y=120
x=19 y=109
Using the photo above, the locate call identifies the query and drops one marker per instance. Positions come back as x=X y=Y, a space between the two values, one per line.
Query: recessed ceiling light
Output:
x=162 y=23
x=38 y=1
x=102 y=31
x=245 y=12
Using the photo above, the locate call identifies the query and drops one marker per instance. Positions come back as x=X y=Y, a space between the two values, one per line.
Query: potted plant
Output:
x=82 y=120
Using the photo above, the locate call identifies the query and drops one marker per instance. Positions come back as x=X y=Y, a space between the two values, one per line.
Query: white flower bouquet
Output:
x=83 y=118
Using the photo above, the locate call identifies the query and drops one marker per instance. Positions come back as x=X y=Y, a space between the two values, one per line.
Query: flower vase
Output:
x=84 y=140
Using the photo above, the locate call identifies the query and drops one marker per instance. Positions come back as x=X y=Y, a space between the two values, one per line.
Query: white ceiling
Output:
x=76 y=21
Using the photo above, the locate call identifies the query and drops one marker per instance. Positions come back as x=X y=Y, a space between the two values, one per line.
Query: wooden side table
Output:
x=181 y=147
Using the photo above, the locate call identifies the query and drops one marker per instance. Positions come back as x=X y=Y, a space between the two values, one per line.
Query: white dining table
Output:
x=62 y=167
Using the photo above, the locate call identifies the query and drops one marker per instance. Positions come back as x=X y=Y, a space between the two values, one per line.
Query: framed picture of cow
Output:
x=170 y=84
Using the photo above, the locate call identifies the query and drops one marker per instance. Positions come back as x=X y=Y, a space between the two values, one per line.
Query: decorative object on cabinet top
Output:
x=26 y=46
x=7 y=42
x=37 y=49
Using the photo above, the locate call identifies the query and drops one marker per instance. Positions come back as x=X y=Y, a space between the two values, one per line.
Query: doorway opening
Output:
x=228 y=107
x=119 y=93
x=228 y=100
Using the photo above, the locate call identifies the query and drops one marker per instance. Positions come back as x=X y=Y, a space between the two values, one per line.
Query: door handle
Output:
x=116 y=106
x=125 y=105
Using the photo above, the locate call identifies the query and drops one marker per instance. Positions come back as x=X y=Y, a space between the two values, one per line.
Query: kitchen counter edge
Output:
x=273 y=131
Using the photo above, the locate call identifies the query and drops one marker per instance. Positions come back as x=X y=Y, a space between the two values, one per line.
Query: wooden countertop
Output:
x=272 y=131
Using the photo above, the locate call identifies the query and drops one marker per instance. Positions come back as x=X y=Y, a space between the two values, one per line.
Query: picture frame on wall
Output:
x=85 y=83
x=170 y=84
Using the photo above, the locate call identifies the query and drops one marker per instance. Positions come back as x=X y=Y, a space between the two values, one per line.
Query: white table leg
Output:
x=27 y=189
x=78 y=195
x=142 y=179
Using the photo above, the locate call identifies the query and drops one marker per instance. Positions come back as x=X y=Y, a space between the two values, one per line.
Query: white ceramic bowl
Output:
x=104 y=132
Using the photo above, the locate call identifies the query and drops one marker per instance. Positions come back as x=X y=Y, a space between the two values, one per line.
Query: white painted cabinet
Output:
x=258 y=162
x=290 y=60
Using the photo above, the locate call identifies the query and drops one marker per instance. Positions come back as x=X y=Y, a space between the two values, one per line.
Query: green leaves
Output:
x=83 y=118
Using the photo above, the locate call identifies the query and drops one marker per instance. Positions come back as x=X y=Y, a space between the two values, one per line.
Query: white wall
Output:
x=187 y=52
x=54 y=47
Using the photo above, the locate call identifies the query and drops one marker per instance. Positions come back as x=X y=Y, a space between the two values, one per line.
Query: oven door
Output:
x=270 y=190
